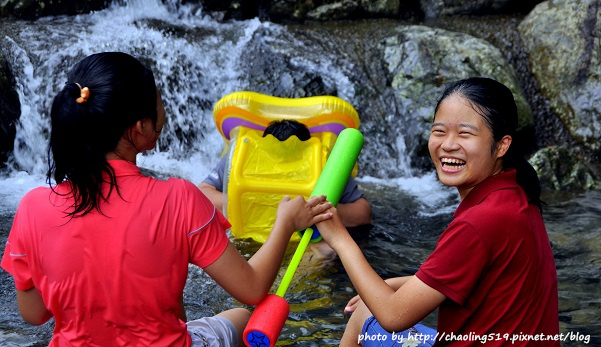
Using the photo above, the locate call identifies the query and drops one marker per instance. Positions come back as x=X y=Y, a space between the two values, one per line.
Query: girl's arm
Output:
x=355 y=213
x=394 y=283
x=31 y=307
x=395 y=310
x=250 y=281
x=215 y=196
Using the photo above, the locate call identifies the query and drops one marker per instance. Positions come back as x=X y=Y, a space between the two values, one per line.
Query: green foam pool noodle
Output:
x=338 y=168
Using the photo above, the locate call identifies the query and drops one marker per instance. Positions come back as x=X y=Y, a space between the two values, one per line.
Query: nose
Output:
x=450 y=143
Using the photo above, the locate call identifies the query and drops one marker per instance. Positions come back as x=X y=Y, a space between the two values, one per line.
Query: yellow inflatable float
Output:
x=261 y=170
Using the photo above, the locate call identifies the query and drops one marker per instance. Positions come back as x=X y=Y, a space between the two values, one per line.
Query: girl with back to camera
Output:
x=492 y=273
x=105 y=250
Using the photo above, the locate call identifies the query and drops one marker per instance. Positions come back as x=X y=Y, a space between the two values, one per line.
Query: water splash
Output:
x=196 y=63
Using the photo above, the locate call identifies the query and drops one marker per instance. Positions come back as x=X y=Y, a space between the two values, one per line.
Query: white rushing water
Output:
x=192 y=72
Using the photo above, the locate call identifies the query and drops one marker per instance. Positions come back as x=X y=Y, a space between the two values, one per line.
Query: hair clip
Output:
x=85 y=94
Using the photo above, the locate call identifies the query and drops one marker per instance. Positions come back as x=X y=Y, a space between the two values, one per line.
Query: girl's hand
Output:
x=333 y=230
x=352 y=304
x=298 y=214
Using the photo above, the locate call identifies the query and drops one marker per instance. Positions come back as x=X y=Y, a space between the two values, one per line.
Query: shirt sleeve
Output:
x=351 y=192
x=215 y=177
x=15 y=260
x=457 y=263
x=207 y=237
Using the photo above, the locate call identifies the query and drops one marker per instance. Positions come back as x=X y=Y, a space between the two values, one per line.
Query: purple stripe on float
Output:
x=231 y=123
x=334 y=128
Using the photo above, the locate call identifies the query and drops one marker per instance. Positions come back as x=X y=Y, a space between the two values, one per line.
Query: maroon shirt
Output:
x=495 y=266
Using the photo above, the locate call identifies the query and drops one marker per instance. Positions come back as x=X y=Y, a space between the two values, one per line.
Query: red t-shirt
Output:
x=114 y=279
x=495 y=266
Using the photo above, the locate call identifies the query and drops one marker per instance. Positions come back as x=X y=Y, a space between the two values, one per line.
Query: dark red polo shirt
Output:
x=495 y=266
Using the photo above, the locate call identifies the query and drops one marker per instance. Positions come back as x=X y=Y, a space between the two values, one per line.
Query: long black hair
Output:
x=496 y=104
x=121 y=92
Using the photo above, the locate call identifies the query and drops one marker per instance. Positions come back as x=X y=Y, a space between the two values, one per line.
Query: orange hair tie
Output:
x=85 y=94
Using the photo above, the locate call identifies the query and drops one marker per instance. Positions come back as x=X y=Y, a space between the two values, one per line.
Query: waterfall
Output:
x=196 y=61
x=191 y=76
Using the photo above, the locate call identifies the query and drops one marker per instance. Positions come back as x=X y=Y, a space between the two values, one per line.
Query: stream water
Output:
x=195 y=69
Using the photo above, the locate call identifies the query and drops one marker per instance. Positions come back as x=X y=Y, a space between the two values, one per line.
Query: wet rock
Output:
x=10 y=109
x=300 y=10
x=339 y=10
x=33 y=9
x=385 y=8
x=568 y=303
x=566 y=246
x=560 y=168
x=584 y=316
x=271 y=71
x=562 y=41
x=235 y=9
x=439 y=8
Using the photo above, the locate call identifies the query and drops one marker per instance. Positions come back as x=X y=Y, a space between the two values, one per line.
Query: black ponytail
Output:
x=496 y=104
x=121 y=92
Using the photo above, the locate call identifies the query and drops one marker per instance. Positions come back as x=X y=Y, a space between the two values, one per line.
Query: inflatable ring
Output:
x=254 y=110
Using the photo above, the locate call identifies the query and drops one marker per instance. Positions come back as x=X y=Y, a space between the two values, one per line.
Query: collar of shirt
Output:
x=500 y=181
x=124 y=168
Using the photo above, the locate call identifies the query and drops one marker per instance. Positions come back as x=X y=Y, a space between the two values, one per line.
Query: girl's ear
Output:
x=145 y=126
x=503 y=145
x=139 y=126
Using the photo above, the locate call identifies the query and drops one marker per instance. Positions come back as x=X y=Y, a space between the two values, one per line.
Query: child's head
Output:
x=495 y=103
x=492 y=100
x=105 y=94
x=283 y=129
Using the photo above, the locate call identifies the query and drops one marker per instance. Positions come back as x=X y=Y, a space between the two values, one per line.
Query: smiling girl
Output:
x=492 y=273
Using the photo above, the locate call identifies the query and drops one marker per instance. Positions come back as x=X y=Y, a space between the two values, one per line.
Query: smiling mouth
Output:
x=451 y=164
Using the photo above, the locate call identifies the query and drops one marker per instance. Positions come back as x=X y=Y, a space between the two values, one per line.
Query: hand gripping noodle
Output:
x=269 y=316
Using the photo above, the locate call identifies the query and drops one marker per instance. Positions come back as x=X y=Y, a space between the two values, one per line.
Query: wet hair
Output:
x=283 y=129
x=496 y=104
x=122 y=91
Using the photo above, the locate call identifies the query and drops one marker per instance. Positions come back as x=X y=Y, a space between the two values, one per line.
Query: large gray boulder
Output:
x=562 y=41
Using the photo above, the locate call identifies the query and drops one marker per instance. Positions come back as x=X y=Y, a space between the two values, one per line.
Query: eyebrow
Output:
x=461 y=125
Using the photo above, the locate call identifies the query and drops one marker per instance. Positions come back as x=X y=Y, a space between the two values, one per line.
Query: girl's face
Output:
x=161 y=118
x=460 y=146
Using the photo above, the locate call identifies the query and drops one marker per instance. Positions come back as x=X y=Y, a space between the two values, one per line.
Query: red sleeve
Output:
x=207 y=237
x=457 y=263
x=15 y=260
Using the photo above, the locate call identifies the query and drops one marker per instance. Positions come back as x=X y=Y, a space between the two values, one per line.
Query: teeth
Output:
x=452 y=161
